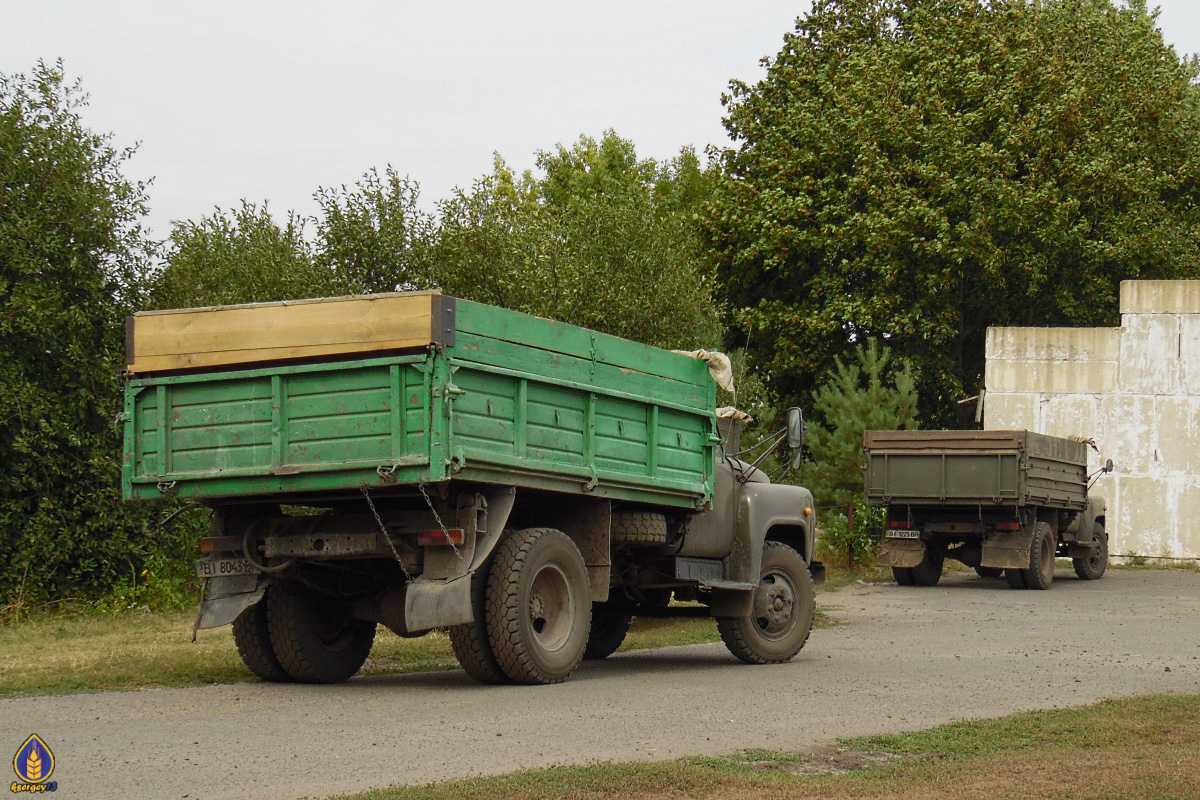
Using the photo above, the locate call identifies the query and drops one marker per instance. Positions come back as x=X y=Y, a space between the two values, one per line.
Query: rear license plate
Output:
x=221 y=567
x=903 y=534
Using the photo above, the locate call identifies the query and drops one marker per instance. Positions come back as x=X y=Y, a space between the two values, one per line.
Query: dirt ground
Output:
x=906 y=658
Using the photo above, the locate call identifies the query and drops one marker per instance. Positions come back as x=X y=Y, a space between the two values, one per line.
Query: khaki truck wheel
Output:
x=1093 y=567
x=253 y=641
x=989 y=572
x=470 y=641
x=1015 y=578
x=929 y=571
x=316 y=640
x=781 y=616
x=1041 y=558
x=903 y=575
x=610 y=623
x=539 y=607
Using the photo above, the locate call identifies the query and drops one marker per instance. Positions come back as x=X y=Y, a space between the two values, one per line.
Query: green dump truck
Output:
x=1003 y=502
x=422 y=462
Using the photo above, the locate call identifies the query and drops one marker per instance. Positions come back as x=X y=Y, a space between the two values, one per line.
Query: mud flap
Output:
x=1080 y=550
x=226 y=598
x=1008 y=550
x=901 y=552
x=437 y=604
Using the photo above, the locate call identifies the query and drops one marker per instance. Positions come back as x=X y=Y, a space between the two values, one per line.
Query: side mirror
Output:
x=1108 y=466
x=795 y=434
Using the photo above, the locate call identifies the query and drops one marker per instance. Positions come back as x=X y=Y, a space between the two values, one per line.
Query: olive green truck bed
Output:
x=422 y=462
x=999 y=501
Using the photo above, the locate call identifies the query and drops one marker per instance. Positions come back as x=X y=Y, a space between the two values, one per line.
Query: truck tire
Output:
x=314 y=639
x=782 y=613
x=1015 y=578
x=539 y=608
x=1092 y=568
x=470 y=641
x=989 y=572
x=610 y=623
x=929 y=571
x=253 y=640
x=903 y=575
x=1041 y=558
x=639 y=528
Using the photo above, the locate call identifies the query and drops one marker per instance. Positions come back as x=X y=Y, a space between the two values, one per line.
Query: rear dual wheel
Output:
x=1040 y=572
x=538 y=606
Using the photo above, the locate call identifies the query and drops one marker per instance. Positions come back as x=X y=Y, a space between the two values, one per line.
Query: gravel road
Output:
x=905 y=658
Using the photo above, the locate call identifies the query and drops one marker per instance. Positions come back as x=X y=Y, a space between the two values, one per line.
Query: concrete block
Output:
x=1127 y=432
x=1069 y=416
x=1006 y=412
x=1179 y=435
x=1150 y=349
x=1189 y=353
x=1143 y=516
x=1058 y=377
x=1185 y=505
x=1053 y=344
x=1160 y=297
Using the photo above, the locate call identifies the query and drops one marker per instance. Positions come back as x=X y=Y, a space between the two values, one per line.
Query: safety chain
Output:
x=386 y=536
x=438 y=517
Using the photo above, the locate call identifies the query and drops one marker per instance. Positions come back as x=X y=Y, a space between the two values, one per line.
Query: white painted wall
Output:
x=1135 y=390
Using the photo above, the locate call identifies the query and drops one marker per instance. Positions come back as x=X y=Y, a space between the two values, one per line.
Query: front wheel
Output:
x=781 y=614
x=315 y=639
x=1092 y=567
x=539 y=606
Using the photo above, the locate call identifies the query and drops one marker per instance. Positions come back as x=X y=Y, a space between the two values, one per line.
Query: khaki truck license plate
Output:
x=903 y=535
x=221 y=567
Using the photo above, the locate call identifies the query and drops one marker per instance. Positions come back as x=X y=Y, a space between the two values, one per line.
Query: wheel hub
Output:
x=774 y=604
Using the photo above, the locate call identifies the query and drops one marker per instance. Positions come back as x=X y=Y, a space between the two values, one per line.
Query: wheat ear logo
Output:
x=34 y=764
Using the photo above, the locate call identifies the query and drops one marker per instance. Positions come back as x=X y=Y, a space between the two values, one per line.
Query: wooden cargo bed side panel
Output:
x=939 y=441
x=237 y=335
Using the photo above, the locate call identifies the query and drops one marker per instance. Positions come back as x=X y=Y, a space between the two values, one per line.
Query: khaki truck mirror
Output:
x=795 y=434
x=1108 y=466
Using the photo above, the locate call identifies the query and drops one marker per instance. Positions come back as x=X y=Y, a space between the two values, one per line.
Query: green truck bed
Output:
x=976 y=468
x=495 y=396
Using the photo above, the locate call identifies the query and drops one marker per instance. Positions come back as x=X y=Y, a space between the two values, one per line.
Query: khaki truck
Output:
x=421 y=462
x=1004 y=502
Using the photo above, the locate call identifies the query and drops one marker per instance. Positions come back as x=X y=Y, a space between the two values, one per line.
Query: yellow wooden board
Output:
x=195 y=338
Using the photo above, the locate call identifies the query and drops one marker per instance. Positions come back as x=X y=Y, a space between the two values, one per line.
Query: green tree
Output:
x=602 y=239
x=72 y=260
x=923 y=169
x=240 y=256
x=373 y=237
x=862 y=394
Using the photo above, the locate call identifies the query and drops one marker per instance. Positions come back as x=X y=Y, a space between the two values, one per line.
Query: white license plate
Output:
x=221 y=567
x=903 y=534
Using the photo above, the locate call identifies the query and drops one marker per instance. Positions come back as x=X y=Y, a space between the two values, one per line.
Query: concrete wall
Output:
x=1135 y=390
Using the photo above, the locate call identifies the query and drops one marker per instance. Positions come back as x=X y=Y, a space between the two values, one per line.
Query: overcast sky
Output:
x=268 y=101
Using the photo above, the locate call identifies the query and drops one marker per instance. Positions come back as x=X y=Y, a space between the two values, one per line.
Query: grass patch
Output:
x=57 y=653
x=1139 y=748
